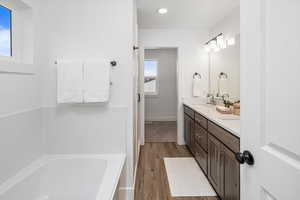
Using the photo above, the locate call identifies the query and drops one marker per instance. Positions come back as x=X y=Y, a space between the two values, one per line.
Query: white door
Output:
x=270 y=98
x=141 y=106
x=136 y=138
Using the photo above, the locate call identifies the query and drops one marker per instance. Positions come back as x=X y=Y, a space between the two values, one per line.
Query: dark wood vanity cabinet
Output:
x=200 y=146
x=215 y=164
x=231 y=176
x=187 y=130
x=214 y=149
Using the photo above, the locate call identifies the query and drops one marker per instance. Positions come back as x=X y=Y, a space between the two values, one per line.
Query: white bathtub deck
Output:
x=61 y=177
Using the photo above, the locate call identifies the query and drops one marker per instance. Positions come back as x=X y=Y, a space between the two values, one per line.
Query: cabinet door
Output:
x=187 y=130
x=214 y=164
x=192 y=135
x=200 y=135
x=201 y=158
x=231 y=176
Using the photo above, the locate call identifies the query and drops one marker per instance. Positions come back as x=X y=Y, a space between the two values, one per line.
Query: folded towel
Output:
x=69 y=82
x=196 y=87
x=96 y=81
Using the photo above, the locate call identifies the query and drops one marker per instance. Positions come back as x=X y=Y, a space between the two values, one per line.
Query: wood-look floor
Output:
x=151 y=180
x=161 y=131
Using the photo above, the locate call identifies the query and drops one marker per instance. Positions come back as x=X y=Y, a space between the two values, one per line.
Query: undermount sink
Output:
x=209 y=109
x=205 y=107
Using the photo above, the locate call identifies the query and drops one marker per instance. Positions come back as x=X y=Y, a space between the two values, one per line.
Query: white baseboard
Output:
x=126 y=193
x=162 y=118
x=136 y=165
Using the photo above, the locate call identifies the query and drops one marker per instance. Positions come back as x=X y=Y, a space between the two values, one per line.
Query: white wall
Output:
x=229 y=25
x=20 y=116
x=191 y=59
x=163 y=107
x=227 y=60
x=88 y=30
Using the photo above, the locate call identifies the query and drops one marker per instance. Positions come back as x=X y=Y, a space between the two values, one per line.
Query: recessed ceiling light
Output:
x=162 y=11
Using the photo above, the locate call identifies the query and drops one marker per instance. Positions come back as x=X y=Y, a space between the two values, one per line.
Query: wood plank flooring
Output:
x=151 y=180
x=161 y=131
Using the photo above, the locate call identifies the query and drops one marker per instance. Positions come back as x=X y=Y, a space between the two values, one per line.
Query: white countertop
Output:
x=230 y=123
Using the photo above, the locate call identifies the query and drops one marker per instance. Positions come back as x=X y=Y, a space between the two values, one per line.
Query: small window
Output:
x=150 y=77
x=5 y=32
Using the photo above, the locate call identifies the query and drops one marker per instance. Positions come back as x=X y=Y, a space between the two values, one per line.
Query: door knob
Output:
x=139 y=97
x=245 y=157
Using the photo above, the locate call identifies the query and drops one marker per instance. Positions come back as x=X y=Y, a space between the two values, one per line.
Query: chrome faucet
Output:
x=212 y=99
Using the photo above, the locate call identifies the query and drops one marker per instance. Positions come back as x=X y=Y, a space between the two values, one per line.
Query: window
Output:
x=5 y=32
x=150 y=77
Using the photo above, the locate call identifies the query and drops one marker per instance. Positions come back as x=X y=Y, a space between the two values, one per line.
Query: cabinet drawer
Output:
x=201 y=136
x=227 y=138
x=189 y=112
x=201 y=158
x=201 y=120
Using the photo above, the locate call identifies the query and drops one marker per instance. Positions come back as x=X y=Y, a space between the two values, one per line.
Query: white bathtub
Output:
x=69 y=177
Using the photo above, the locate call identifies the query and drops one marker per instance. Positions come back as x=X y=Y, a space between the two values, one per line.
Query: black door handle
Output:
x=245 y=157
x=139 y=97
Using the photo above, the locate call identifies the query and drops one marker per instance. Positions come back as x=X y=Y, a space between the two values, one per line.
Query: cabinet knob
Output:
x=245 y=157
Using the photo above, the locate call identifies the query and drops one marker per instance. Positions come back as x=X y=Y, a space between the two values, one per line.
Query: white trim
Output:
x=126 y=193
x=162 y=118
x=22 y=45
x=136 y=165
x=20 y=112
x=12 y=67
x=180 y=140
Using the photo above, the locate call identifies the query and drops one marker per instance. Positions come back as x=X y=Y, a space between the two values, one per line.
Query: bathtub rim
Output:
x=109 y=183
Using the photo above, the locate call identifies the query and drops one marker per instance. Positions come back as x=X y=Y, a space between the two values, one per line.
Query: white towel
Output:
x=96 y=81
x=69 y=82
x=196 y=87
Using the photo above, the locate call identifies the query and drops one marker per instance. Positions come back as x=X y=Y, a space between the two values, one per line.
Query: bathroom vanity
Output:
x=214 y=142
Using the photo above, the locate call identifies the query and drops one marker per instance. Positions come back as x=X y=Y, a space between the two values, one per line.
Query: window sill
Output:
x=13 y=67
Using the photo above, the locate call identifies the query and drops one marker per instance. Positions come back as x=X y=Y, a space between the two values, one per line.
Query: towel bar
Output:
x=197 y=74
x=112 y=63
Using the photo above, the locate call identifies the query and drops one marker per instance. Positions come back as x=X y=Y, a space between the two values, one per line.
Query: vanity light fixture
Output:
x=223 y=75
x=231 y=41
x=215 y=43
x=162 y=11
x=221 y=41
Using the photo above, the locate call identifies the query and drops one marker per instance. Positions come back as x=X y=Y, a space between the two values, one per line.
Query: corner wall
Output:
x=20 y=112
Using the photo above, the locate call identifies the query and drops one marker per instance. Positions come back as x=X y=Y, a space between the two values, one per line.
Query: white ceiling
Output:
x=183 y=13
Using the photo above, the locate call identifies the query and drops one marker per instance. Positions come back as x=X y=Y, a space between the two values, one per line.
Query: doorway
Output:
x=160 y=91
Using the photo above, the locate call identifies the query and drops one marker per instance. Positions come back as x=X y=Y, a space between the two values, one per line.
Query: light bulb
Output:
x=231 y=41
x=213 y=44
x=162 y=11
x=221 y=42
x=207 y=48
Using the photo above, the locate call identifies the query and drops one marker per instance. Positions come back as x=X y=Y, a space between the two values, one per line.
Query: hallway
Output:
x=161 y=131
x=151 y=179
